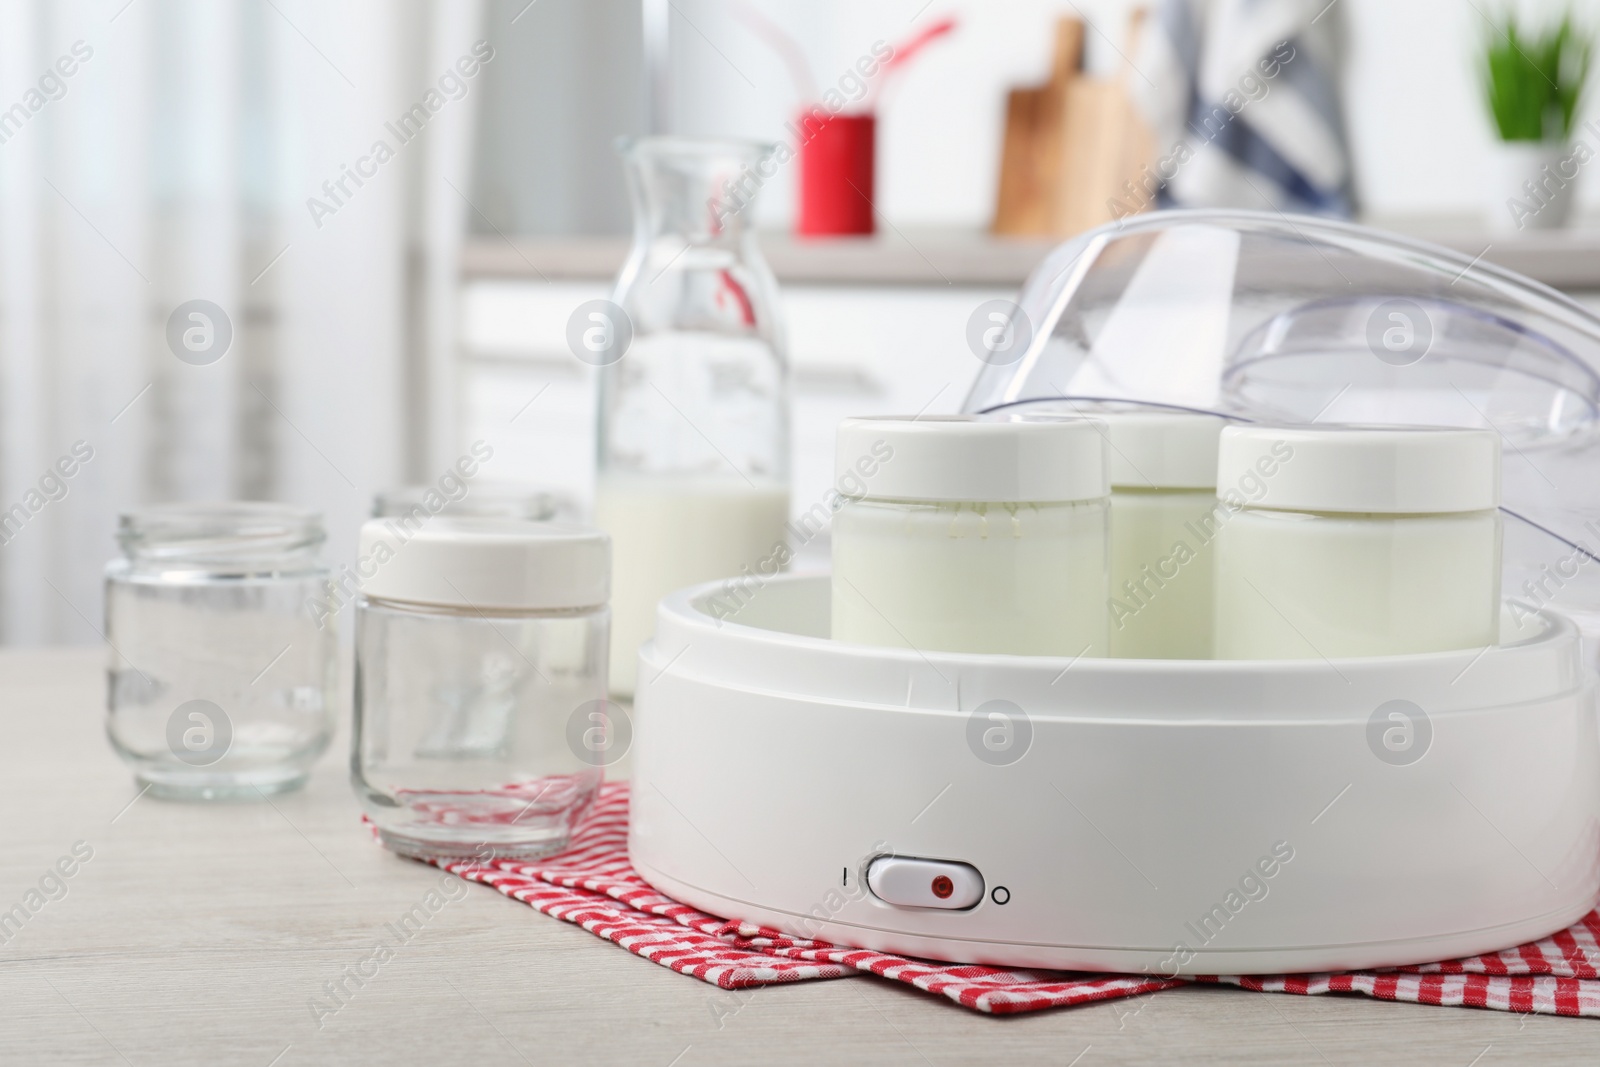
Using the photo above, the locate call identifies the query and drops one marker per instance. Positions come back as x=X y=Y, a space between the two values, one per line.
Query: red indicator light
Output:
x=942 y=886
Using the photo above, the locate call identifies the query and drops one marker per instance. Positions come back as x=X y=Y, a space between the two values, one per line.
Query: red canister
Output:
x=836 y=173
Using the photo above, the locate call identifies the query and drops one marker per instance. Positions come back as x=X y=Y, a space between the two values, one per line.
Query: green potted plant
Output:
x=1533 y=83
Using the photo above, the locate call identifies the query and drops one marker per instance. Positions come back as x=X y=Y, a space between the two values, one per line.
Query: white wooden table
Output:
x=199 y=933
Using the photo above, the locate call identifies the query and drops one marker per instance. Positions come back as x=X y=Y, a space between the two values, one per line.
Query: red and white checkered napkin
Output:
x=593 y=885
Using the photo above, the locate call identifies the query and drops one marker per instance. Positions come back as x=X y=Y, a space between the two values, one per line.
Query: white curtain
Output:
x=162 y=151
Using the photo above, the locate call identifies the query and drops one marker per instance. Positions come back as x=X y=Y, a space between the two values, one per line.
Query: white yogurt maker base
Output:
x=1408 y=808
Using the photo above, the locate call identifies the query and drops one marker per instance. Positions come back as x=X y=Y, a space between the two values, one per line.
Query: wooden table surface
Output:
x=199 y=933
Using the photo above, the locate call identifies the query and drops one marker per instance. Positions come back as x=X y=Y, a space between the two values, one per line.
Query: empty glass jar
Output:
x=480 y=711
x=222 y=680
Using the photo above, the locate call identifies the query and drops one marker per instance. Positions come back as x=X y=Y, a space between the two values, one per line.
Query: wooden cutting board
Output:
x=1069 y=146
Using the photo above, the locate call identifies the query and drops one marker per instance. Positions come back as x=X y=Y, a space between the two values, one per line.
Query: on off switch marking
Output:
x=942 y=887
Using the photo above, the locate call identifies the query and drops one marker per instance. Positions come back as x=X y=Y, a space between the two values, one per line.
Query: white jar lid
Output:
x=1017 y=459
x=1162 y=449
x=486 y=564
x=1383 y=469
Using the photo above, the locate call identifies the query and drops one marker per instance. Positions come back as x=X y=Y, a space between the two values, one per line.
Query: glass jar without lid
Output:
x=963 y=534
x=222 y=679
x=1357 y=541
x=480 y=712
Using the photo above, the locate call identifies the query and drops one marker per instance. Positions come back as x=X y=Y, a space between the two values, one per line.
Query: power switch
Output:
x=914 y=883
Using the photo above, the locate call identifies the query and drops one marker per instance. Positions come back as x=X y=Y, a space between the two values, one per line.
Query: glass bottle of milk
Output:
x=692 y=477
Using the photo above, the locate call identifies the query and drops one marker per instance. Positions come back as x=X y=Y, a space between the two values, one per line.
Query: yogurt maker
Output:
x=1176 y=816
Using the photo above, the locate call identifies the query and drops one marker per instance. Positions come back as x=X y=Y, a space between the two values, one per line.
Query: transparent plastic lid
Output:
x=1293 y=319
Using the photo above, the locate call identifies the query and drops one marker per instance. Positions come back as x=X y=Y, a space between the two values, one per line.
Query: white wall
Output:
x=1418 y=131
x=1421 y=134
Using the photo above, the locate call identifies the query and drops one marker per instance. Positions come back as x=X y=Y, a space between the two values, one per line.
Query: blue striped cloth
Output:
x=1243 y=98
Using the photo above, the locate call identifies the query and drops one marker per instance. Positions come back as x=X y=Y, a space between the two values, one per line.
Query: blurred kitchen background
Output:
x=381 y=323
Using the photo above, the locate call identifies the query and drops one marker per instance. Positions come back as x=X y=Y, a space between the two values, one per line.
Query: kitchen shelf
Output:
x=1566 y=259
x=922 y=257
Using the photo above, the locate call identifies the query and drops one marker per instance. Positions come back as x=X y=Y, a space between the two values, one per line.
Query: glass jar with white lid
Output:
x=1357 y=541
x=463 y=498
x=967 y=534
x=1163 y=473
x=223 y=680
x=481 y=658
